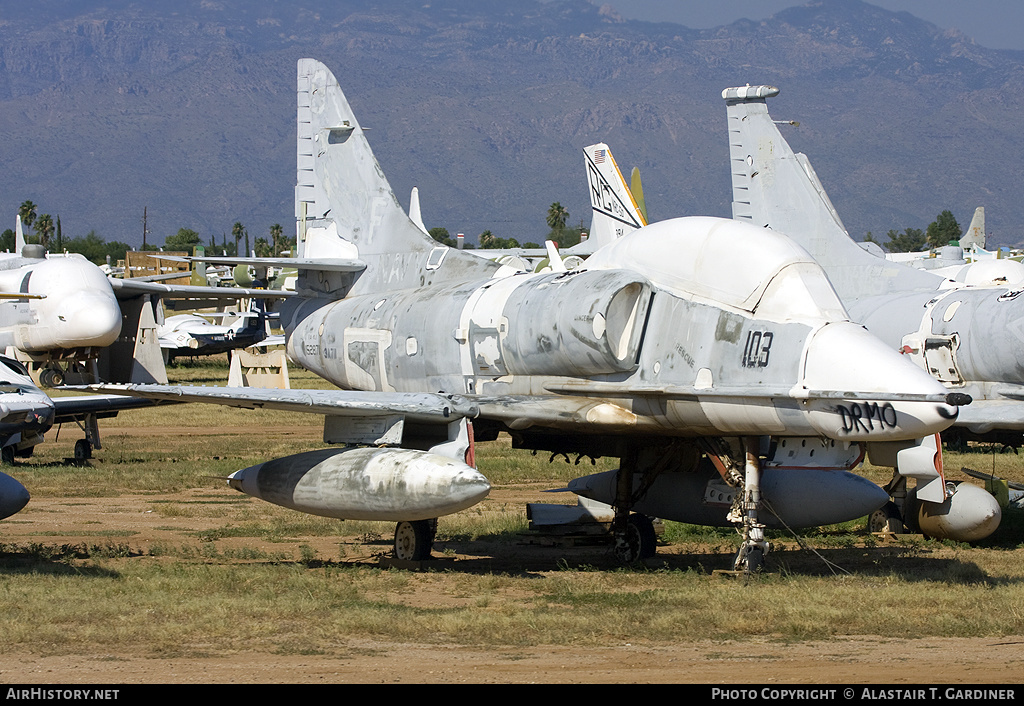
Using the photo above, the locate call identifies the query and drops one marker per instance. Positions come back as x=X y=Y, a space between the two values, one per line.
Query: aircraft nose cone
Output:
x=470 y=486
x=244 y=480
x=13 y=496
x=89 y=319
x=845 y=357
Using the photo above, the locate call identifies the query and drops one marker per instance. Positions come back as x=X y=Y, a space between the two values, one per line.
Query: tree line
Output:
x=46 y=231
x=942 y=231
x=557 y=217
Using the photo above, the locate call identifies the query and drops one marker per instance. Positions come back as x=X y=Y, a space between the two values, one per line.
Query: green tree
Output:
x=44 y=229
x=237 y=232
x=442 y=236
x=95 y=249
x=557 y=216
x=185 y=239
x=910 y=240
x=275 y=238
x=7 y=241
x=943 y=230
x=263 y=248
x=115 y=250
x=91 y=246
x=566 y=237
x=489 y=241
x=27 y=211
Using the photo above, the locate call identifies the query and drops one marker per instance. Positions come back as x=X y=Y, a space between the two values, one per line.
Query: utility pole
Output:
x=144 y=230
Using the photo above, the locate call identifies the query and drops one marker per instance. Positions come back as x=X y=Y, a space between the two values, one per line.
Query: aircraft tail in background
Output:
x=975 y=233
x=19 y=236
x=773 y=187
x=615 y=208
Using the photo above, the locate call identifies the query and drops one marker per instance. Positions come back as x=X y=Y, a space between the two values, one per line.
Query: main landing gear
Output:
x=414 y=539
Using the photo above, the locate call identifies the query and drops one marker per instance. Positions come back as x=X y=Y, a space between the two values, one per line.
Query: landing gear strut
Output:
x=752 y=552
x=633 y=533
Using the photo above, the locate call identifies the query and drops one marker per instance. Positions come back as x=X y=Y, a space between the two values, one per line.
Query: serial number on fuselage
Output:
x=757 y=350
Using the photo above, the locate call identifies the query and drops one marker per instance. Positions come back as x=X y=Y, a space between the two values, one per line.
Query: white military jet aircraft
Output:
x=967 y=336
x=56 y=309
x=689 y=338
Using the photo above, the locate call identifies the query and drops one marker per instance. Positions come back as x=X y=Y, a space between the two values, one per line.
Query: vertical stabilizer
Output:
x=974 y=236
x=414 y=209
x=774 y=188
x=19 y=236
x=615 y=211
x=344 y=206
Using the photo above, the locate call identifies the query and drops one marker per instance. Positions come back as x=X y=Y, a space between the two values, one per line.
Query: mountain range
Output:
x=186 y=108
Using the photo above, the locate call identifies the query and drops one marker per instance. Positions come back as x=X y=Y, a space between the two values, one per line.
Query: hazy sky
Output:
x=996 y=24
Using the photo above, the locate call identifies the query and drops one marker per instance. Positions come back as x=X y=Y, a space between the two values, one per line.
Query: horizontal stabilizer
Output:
x=132 y=288
x=326 y=264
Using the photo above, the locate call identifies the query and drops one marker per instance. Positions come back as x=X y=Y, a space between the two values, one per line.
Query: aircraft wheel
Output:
x=886 y=519
x=7 y=456
x=413 y=540
x=51 y=377
x=83 y=450
x=754 y=560
x=640 y=541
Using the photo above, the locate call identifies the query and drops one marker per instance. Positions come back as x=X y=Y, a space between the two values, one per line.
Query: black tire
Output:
x=83 y=450
x=7 y=456
x=641 y=542
x=753 y=562
x=413 y=540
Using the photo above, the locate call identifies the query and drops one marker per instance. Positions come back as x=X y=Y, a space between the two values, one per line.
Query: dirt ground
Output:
x=848 y=660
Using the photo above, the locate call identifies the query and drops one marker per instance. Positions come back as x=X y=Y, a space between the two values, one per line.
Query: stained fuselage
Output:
x=666 y=347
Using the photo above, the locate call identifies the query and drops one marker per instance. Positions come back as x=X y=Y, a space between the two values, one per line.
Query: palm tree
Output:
x=44 y=229
x=27 y=211
x=275 y=235
x=238 y=230
x=557 y=216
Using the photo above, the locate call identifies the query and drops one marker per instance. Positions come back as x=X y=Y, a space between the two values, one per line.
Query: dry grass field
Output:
x=144 y=567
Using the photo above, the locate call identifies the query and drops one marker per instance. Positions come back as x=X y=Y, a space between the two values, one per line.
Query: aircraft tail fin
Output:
x=975 y=233
x=345 y=207
x=19 y=236
x=255 y=318
x=615 y=208
x=414 y=209
x=773 y=187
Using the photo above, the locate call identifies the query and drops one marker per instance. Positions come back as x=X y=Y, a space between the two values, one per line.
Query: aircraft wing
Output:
x=132 y=287
x=427 y=407
x=74 y=407
x=325 y=264
x=602 y=389
x=985 y=415
x=569 y=399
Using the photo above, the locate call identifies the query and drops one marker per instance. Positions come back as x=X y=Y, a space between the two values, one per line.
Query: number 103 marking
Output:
x=758 y=348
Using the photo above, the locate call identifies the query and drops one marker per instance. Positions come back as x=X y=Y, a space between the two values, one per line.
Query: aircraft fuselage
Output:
x=665 y=360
